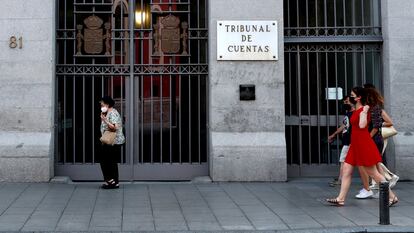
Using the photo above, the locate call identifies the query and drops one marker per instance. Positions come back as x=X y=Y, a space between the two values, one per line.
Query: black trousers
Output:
x=109 y=161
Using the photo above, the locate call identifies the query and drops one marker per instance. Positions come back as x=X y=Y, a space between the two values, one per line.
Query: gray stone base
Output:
x=404 y=155
x=25 y=157
x=248 y=157
x=61 y=180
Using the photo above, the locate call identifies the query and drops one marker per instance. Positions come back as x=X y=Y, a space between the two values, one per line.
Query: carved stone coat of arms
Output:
x=93 y=36
x=170 y=36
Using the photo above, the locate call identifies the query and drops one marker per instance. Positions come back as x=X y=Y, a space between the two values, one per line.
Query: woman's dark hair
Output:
x=360 y=91
x=374 y=98
x=369 y=85
x=108 y=100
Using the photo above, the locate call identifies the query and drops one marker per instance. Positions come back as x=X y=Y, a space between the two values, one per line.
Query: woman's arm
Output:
x=363 y=117
x=332 y=136
x=387 y=119
x=373 y=132
x=111 y=126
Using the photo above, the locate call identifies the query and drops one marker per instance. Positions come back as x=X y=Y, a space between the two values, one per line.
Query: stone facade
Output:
x=26 y=90
x=398 y=53
x=247 y=137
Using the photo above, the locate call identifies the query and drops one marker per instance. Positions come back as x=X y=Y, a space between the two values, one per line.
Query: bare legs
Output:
x=346 y=181
x=380 y=170
x=347 y=177
x=378 y=177
x=364 y=178
x=340 y=171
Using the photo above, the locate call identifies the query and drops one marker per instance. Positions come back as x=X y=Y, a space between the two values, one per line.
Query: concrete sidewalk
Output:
x=291 y=207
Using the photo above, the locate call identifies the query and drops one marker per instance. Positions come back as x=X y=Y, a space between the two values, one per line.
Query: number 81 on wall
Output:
x=15 y=42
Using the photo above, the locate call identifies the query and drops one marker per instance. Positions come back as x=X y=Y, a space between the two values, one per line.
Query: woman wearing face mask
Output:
x=375 y=102
x=345 y=130
x=110 y=121
x=362 y=151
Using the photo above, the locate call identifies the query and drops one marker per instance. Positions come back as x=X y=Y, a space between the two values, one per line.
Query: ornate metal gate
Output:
x=151 y=57
x=330 y=46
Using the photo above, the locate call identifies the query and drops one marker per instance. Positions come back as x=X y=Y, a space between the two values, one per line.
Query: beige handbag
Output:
x=388 y=132
x=108 y=138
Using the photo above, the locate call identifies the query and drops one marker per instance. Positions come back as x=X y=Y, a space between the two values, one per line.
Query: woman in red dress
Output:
x=362 y=151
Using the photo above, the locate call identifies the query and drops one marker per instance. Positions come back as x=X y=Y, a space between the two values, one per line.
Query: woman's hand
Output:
x=363 y=117
x=103 y=117
x=365 y=109
x=331 y=138
x=112 y=127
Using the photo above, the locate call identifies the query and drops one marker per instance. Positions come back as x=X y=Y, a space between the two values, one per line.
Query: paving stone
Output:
x=204 y=226
x=209 y=207
x=300 y=221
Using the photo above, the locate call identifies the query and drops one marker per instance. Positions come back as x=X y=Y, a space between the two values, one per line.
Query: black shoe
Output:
x=110 y=186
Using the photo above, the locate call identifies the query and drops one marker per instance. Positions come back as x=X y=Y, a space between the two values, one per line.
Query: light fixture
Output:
x=142 y=17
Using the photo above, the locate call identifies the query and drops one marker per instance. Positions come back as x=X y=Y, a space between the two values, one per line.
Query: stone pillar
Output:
x=398 y=54
x=26 y=90
x=247 y=139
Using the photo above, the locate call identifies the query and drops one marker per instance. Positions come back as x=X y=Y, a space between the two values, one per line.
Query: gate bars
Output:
x=161 y=98
x=328 y=44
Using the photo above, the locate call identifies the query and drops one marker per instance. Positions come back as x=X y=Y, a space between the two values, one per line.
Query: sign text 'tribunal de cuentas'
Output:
x=247 y=40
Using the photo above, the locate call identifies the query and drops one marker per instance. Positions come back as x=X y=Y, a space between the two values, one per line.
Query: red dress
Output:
x=362 y=151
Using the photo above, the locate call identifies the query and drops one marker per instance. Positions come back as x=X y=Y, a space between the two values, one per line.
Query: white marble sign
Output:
x=247 y=40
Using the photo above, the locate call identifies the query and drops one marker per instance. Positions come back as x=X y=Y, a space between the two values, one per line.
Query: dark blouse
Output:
x=376 y=122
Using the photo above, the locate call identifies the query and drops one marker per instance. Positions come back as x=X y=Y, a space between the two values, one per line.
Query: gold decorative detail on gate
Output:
x=168 y=37
x=93 y=36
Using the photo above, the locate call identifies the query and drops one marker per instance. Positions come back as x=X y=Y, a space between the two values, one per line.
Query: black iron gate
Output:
x=151 y=57
x=330 y=47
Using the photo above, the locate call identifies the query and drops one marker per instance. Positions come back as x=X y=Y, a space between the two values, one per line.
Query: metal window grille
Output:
x=328 y=44
x=151 y=57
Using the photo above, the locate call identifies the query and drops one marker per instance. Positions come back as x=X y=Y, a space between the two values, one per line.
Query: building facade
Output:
x=238 y=90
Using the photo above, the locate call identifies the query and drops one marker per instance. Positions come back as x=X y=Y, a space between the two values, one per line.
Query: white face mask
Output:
x=104 y=109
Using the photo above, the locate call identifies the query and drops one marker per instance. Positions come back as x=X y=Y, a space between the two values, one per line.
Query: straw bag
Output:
x=388 y=132
x=108 y=138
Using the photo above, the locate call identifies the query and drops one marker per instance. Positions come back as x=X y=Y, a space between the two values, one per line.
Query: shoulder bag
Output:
x=108 y=137
x=388 y=132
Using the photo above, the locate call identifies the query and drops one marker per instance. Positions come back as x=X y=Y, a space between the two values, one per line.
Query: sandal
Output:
x=336 y=202
x=334 y=183
x=110 y=184
x=105 y=186
x=393 y=201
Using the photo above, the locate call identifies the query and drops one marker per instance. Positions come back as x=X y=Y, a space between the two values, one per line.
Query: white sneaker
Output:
x=376 y=195
x=374 y=186
x=363 y=194
x=394 y=180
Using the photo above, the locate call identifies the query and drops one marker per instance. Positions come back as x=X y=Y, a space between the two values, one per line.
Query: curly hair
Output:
x=374 y=98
